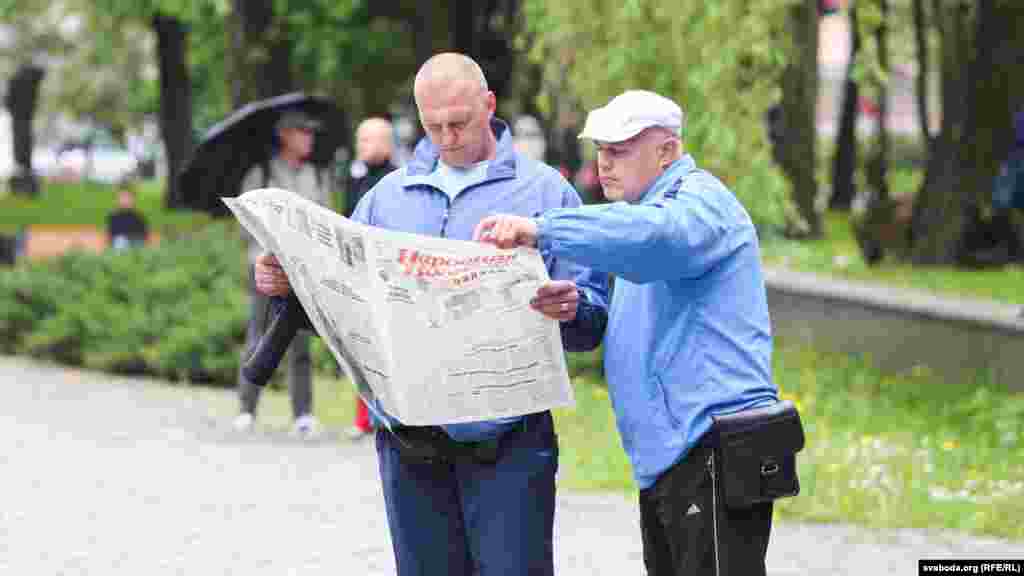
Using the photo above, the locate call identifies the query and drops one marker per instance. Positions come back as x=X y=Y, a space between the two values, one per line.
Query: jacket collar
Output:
x=425 y=157
x=668 y=182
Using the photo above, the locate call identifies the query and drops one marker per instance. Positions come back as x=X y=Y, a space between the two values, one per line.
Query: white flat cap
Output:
x=630 y=113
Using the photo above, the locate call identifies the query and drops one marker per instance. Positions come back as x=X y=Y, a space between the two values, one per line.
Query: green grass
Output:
x=904 y=451
x=837 y=255
x=882 y=451
x=89 y=204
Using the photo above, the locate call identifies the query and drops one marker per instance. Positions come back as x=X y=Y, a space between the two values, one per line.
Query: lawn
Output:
x=837 y=255
x=90 y=203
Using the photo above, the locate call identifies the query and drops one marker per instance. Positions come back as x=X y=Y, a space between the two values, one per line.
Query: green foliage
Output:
x=208 y=54
x=104 y=69
x=176 y=311
x=341 y=49
x=720 y=60
x=590 y=364
x=882 y=450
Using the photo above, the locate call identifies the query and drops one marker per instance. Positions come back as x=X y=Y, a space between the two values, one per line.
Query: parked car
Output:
x=99 y=163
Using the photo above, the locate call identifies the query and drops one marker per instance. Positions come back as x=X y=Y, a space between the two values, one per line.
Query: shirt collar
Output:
x=667 y=180
x=425 y=157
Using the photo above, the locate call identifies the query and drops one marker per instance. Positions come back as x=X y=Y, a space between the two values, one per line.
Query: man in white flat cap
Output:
x=688 y=335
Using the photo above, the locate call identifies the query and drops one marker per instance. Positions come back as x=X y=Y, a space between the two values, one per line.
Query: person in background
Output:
x=374 y=150
x=289 y=168
x=689 y=335
x=126 y=226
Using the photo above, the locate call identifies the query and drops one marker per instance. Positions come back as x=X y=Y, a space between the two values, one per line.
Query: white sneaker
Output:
x=243 y=422
x=306 y=426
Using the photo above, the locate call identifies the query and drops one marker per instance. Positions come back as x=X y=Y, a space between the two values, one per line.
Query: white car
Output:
x=107 y=164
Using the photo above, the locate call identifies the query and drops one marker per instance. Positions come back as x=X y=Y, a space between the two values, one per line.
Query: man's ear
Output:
x=667 y=152
x=492 y=104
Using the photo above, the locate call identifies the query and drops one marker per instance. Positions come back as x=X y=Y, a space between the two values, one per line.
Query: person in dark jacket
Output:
x=126 y=227
x=374 y=150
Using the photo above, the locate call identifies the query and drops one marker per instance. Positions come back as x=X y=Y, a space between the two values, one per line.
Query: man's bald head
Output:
x=455 y=108
x=449 y=68
x=374 y=141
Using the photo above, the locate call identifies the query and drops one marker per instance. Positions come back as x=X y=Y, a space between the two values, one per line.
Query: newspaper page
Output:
x=438 y=331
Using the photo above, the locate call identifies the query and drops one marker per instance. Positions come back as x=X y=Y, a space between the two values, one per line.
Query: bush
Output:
x=175 y=311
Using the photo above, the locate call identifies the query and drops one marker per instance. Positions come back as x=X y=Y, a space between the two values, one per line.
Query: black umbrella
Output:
x=248 y=137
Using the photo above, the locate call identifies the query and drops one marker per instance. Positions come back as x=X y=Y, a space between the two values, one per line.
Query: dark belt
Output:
x=432 y=445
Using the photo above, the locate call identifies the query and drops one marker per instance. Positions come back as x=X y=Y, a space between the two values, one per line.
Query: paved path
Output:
x=108 y=476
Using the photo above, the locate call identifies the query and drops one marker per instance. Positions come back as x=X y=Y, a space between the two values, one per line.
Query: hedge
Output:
x=176 y=311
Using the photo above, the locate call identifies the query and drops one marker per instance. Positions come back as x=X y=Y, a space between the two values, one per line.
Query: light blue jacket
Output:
x=409 y=200
x=688 y=330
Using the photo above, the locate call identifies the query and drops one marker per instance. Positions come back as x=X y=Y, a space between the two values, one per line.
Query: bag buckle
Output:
x=769 y=468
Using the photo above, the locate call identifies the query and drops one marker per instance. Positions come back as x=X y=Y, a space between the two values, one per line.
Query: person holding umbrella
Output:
x=288 y=168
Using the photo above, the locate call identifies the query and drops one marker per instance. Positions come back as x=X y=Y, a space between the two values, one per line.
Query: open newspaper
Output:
x=437 y=331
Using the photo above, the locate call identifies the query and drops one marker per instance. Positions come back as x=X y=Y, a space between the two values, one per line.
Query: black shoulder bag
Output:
x=755 y=454
x=753 y=460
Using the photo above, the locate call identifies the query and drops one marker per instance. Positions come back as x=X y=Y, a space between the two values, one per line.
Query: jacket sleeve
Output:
x=586 y=330
x=680 y=237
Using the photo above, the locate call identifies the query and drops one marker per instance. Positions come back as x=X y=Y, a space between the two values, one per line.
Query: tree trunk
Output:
x=799 y=100
x=432 y=33
x=939 y=209
x=878 y=164
x=844 y=164
x=175 y=102
x=21 y=99
x=921 y=28
x=980 y=91
x=484 y=31
x=262 y=52
x=997 y=88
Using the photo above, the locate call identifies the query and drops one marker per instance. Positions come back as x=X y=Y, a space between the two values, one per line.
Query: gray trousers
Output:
x=300 y=377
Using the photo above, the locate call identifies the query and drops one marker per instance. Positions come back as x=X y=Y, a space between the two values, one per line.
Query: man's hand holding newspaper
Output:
x=437 y=331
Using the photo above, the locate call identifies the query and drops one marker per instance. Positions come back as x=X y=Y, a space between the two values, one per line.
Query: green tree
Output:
x=109 y=56
x=799 y=103
x=33 y=32
x=844 y=162
x=720 y=60
x=169 y=21
x=875 y=25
